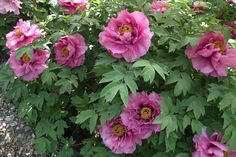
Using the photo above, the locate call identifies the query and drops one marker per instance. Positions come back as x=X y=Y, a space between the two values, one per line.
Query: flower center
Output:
x=220 y=45
x=226 y=154
x=65 y=52
x=126 y=28
x=118 y=130
x=146 y=113
x=25 y=58
x=18 y=32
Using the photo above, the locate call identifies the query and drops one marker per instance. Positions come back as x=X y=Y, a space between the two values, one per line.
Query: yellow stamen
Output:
x=220 y=45
x=126 y=28
x=65 y=52
x=146 y=113
x=226 y=154
x=18 y=32
x=118 y=130
x=25 y=58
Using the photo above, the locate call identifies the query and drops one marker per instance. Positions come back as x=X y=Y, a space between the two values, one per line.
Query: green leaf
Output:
x=186 y=121
x=182 y=155
x=197 y=126
x=131 y=84
x=24 y=50
x=61 y=126
x=183 y=85
x=48 y=77
x=42 y=144
x=84 y=115
x=110 y=91
x=93 y=123
x=124 y=94
x=160 y=71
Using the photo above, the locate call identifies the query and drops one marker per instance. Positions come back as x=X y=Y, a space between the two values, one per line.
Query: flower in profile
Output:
x=128 y=36
x=22 y=35
x=29 y=68
x=10 y=6
x=118 y=137
x=198 y=6
x=160 y=6
x=233 y=27
x=70 y=50
x=212 y=55
x=73 y=5
x=140 y=113
x=210 y=146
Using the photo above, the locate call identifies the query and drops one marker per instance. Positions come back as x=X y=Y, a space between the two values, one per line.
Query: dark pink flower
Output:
x=128 y=36
x=140 y=113
x=23 y=35
x=73 y=5
x=118 y=137
x=198 y=6
x=212 y=56
x=29 y=69
x=160 y=6
x=210 y=147
x=70 y=50
x=10 y=6
x=233 y=27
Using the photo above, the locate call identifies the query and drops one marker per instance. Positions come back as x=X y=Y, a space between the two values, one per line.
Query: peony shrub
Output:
x=122 y=78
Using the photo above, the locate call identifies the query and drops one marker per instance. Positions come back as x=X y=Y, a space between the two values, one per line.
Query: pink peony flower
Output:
x=140 y=113
x=210 y=147
x=10 y=6
x=128 y=36
x=198 y=6
x=73 y=5
x=23 y=35
x=212 y=56
x=70 y=50
x=118 y=137
x=233 y=27
x=29 y=69
x=160 y=6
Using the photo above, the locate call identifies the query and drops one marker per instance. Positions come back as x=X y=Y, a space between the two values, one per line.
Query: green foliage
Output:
x=67 y=105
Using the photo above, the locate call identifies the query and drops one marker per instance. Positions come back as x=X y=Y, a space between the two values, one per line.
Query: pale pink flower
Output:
x=128 y=36
x=140 y=113
x=29 y=69
x=73 y=5
x=212 y=55
x=210 y=147
x=10 y=6
x=70 y=50
x=160 y=6
x=23 y=34
x=118 y=137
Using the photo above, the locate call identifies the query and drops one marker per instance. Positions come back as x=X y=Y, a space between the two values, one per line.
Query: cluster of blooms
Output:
x=129 y=37
x=211 y=147
x=134 y=124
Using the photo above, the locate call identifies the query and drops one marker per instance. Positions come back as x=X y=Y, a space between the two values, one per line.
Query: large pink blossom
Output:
x=128 y=36
x=210 y=147
x=212 y=55
x=73 y=5
x=160 y=6
x=140 y=113
x=233 y=27
x=10 y=6
x=118 y=137
x=29 y=69
x=70 y=50
x=22 y=35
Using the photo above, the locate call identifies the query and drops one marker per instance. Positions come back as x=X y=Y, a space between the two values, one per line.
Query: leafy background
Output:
x=66 y=105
